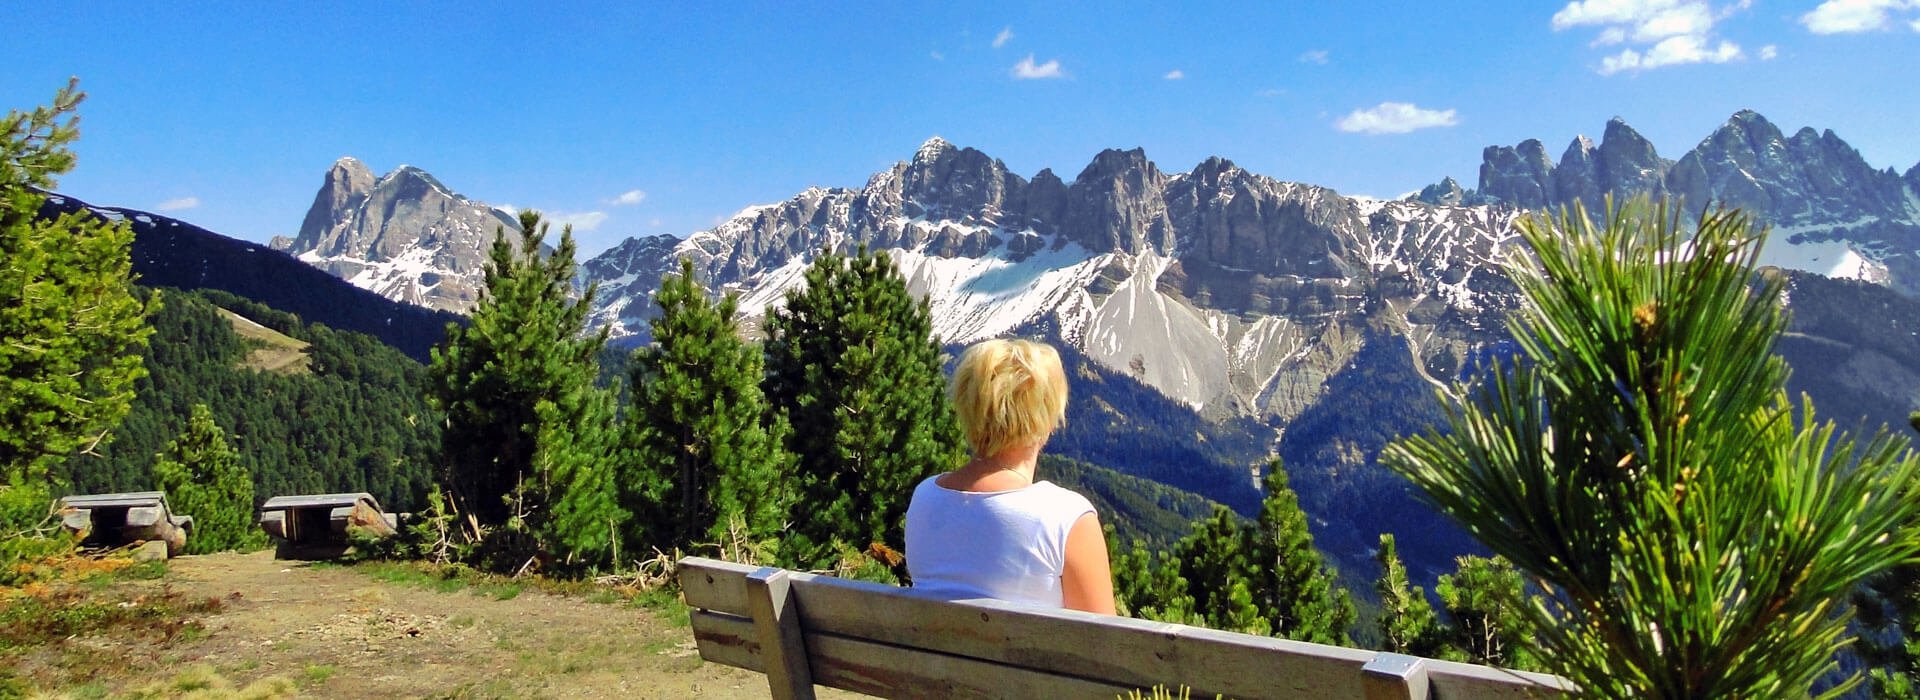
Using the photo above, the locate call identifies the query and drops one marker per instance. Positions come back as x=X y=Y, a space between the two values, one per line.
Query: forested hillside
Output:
x=168 y=252
x=1138 y=509
x=358 y=421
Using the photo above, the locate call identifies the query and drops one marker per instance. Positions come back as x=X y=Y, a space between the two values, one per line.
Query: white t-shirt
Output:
x=1008 y=545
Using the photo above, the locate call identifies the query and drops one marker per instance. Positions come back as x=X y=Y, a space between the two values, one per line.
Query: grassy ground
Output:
x=247 y=625
x=272 y=350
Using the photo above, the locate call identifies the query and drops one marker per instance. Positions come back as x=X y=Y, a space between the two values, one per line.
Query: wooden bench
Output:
x=802 y=629
x=317 y=526
x=115 y=519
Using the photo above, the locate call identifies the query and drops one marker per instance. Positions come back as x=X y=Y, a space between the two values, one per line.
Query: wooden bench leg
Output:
x=776 y=620
x=1392 y=676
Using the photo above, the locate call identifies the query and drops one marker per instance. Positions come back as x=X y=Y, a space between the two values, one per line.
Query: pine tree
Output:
x=1213 y=561
x=1640 y=461
x=1294 y=588
x=71 y=329
x=1486 y=598
x=707 y=453
x=853 y=365
x=1407 y=622
x=203 y=477
x=528 y=439
x=1149 y=587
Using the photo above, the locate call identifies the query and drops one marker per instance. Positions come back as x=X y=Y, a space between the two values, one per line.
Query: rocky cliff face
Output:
x=404 y=235
x=1831 y=212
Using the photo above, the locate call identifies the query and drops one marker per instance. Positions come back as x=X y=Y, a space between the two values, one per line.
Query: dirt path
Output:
x=339 y=633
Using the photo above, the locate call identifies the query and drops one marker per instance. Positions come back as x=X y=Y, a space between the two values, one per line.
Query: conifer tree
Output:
x=707 y=454
x=1694 y=534
x=528 y=440
x=1294 y=588
x=853 y=365
x=1149 y=587
x=71 y=329
x=1407 y=622
x=203 y=477
x=1485 y=597
x=1213 y=562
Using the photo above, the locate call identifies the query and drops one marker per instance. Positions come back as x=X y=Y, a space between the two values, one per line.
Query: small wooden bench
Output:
x=803 y=629
x=317 y=526
x=115 y=519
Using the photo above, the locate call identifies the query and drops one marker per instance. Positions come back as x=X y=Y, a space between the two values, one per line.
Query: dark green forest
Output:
x=357 y=421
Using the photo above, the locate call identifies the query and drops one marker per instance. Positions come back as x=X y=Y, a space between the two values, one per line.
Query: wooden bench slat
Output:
x=711 y=584
x=727 y=639
x=889 y=671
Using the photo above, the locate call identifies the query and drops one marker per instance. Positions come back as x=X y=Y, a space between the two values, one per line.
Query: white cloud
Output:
x=1175 y=75
x=1318 y=56
x=1026 y=69
x=1769 y=52
x=1394 y=118
x=1656 y=33
x=180 y=204
x=1851 y=16
x=1003 y=37
x=510 y=210
x=937 y=56
x=654 y=223
x=580 y=221
x=628 y=198
x=1672 y=51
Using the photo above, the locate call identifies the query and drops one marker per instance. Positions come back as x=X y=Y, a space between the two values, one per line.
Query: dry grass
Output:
x=272 y=350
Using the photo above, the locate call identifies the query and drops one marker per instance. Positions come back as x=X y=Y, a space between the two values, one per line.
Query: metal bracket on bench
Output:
x=1391 y=676
x=776 y=620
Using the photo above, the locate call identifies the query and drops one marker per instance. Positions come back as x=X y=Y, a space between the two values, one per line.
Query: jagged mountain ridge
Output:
x=1230 y=291
x=1832 y=213
x=403 y=235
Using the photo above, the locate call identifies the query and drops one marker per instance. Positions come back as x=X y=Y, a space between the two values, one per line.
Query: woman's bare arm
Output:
x=1087 y=583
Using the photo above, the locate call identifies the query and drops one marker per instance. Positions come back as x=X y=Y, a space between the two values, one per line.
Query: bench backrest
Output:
x=802 y=629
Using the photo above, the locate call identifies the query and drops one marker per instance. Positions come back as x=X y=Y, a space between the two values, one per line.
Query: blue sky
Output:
x=659 y=119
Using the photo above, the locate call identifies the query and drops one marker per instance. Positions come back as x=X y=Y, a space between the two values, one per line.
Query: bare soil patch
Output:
x=336 y=632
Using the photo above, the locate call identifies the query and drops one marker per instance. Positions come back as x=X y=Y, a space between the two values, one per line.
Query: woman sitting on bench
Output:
x=987 y=529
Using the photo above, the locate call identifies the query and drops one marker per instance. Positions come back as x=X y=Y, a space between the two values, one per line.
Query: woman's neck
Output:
x=1017 y=461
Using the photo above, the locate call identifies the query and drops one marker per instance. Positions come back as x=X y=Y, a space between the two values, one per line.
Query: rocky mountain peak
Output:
x=1520 y=174
x=961 y=184
x=404 y=235
x=1117 y=203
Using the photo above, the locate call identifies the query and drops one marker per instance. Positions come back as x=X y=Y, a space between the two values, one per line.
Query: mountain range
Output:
x=1288 y=318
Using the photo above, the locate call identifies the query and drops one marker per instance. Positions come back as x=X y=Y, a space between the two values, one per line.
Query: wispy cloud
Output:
x=1003 y=37
x=180 y=204
x=1026 y=69
x=1175 y=74
x=628 y=198
x=1395 y=118
x=1769 y=52
x=580 y=221
x=1316 y=56
x=654 y=223
x=1854 y=16
x=1672 y=51
x=1657 y=33
x=937 y=56
x=1269 y=92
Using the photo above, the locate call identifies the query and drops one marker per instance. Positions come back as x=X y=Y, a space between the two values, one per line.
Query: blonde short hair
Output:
x=1009 y=393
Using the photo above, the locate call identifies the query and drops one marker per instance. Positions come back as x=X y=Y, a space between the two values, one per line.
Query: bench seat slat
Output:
x=727 y=639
